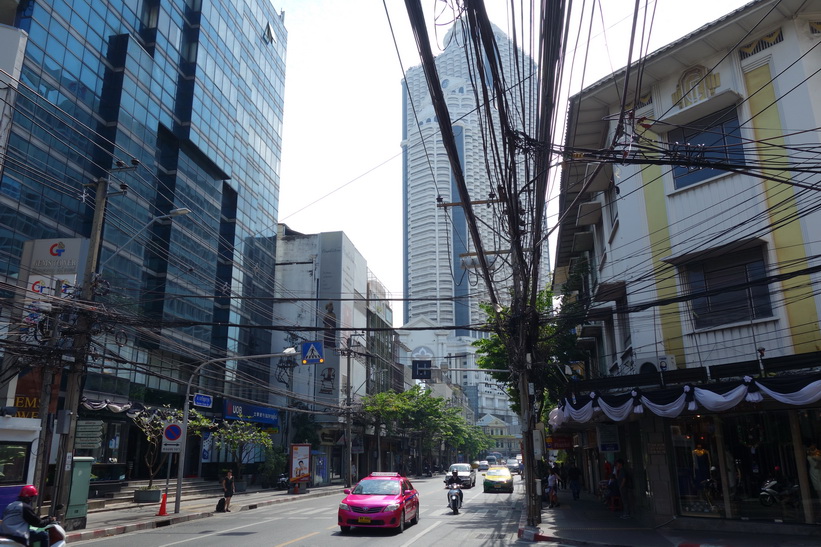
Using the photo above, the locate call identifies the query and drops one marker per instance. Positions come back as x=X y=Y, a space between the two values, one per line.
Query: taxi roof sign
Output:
x=313 y=353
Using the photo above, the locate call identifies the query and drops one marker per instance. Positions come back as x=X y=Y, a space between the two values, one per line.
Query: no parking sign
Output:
x=172 y=438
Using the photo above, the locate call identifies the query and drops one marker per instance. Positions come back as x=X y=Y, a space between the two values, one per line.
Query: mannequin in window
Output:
x=814 y=467
x=732 y=473
x=701 y=465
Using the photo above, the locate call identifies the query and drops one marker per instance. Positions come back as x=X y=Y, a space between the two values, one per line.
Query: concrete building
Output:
x=324 y=282
x=440 y=278
x=688 y=237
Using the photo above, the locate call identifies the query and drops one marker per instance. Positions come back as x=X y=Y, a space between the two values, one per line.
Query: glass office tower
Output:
x=180 y=103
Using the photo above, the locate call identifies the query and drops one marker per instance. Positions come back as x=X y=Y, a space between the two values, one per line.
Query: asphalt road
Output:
x=485 y=519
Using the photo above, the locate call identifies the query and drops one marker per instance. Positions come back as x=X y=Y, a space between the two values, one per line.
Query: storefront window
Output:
x=722 y=464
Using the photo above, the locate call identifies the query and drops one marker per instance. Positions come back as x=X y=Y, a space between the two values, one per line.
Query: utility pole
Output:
x=348 y=432
x=65 y=455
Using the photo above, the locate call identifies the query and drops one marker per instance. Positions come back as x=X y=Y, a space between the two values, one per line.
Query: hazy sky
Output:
x=341 y=158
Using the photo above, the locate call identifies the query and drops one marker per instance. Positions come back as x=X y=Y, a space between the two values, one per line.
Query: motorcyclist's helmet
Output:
x=28 y=491
x=455 y=473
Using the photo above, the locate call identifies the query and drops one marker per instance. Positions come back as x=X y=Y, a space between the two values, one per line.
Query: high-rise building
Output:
x=180 y=105
x=441 y=280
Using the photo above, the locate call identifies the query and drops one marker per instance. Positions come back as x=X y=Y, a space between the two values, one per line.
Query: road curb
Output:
x=162 y=522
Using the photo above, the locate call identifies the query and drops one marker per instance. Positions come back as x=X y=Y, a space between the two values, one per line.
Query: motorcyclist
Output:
x=454 y=479
x=19 y=515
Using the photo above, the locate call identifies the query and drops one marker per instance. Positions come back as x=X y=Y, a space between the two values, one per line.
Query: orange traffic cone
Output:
x=162 y=512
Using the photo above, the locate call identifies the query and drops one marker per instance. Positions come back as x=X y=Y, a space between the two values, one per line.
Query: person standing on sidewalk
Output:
x=228 y=489
x=625 y=481
x=574 y=477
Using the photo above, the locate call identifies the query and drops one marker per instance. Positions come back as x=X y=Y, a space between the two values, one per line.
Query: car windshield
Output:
x=460 y=467
x=498 y=473
x=377 y=487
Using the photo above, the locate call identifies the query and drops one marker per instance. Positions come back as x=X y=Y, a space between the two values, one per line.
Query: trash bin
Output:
x=77 y=509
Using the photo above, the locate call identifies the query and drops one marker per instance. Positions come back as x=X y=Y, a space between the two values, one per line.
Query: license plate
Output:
x=497 y=485
x=364 y=520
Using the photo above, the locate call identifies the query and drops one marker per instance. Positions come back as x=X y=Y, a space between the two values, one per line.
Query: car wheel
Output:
x=401 y=527
x=344 y=529
x=415 y=519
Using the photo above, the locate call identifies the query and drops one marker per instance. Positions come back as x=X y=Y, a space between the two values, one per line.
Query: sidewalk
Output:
x=133 y=517
x=589 y=522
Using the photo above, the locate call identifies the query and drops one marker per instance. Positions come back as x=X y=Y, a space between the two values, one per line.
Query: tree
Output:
x=152 y=423
x=417 y=413
x=240 y=438
x=382 y=410
x=555 y=347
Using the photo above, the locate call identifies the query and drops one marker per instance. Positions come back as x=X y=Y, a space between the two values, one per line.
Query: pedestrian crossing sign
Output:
x=312 y=353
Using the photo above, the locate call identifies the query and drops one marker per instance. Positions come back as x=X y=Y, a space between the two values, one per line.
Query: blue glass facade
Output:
x=193 y=90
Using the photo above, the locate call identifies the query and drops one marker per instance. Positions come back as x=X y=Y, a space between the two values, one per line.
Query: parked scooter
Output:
x=282 y=482
x=775 y=491
x=454 y=494
x=56 y=535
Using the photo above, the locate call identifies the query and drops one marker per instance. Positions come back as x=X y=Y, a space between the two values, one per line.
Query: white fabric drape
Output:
x=751 y=390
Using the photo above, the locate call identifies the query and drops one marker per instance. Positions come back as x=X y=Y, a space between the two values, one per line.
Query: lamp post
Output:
x=186 y=407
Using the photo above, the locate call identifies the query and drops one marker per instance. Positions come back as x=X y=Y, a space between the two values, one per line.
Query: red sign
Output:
x=559 y=442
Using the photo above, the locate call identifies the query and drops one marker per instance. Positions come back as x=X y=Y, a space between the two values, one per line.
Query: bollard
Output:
x=163 y=512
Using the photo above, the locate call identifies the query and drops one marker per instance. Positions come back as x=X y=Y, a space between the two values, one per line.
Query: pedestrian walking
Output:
x=574 y=477
x=625 y=482
x=228 y=489
x=552 y=488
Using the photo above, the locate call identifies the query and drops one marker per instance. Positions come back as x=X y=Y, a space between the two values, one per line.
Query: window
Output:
x=14 y=461
x=745 y=302
x=714 y=138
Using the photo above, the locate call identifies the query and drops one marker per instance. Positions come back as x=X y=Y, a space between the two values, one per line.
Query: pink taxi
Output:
x=380 y=500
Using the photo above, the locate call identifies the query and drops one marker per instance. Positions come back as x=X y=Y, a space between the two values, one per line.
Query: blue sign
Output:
x=313 y=353
x=203 y=400
x=251 y=413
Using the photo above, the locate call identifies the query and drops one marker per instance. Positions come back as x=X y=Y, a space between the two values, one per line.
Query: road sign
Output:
x=203 y=400
x=172 y=438
x=312 y=353
x=421 y=370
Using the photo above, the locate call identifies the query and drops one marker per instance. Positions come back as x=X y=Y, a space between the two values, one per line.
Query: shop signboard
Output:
x=608 y=437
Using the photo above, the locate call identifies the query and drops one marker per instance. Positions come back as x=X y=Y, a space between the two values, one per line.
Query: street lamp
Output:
x=179 y=211
x=187 y=406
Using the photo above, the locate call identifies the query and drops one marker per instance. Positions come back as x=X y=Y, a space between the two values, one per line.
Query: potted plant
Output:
x=152 y=423
x=240 y=439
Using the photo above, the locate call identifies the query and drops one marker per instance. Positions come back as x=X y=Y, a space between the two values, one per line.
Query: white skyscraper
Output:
x=442 y=282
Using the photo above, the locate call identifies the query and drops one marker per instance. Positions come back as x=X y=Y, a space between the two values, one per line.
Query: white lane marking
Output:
x=220 y=532
x=422 y=533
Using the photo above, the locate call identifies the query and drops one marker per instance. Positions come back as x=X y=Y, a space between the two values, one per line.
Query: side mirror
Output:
x=408 y=492
x=347 y=491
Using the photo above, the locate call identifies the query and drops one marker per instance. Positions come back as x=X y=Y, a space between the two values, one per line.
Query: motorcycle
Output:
x=454 y=494
x=56 y=537
x=773 y=491
x=428 y=472
x=282 y=482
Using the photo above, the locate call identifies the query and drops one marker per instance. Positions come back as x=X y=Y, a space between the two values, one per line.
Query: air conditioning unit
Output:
x=656 y=363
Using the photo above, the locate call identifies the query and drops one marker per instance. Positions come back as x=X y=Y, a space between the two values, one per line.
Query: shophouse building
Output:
x=689 y=207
